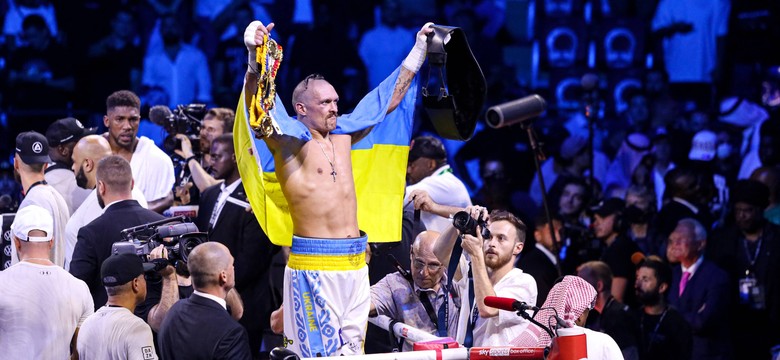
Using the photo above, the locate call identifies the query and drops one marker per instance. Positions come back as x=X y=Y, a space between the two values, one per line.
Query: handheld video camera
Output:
x=186 y=119
x=178 y=237
x=468 y=225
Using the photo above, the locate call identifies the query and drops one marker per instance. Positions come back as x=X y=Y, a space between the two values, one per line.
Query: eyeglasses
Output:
x=420 y=265
x=314 y=76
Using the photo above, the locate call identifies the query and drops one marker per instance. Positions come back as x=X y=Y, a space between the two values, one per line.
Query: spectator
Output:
x=541 y=261
x=86 y=155
x=638 y=215
x=748 y=117
x=200 y=326
x=180 y=70
x=748 y=251
x=152 y=168
x=770 y=176
x=113 y=331
x=428 y=170
x=419 y=298
x=222 y=214
x=699 y=291
x=665 y=334
x=30 y=162
x=378 y=58
x=609 y=315
x=19 y=10
x=62 y=136
x=42 y=306
x=618 y=249
x=634 y=147
x=684 y=193
x=487 y=269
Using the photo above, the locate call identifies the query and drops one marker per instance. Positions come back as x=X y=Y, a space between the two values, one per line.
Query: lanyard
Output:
x=752 y=259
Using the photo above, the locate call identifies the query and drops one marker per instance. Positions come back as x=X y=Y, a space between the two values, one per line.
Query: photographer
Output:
x=490 y=247
x=198 y=163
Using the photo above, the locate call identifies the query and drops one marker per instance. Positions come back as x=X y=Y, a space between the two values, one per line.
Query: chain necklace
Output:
x=332 y=163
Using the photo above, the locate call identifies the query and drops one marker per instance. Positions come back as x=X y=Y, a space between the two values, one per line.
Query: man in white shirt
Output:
x=30 y=162
x=428 y=170
x=42 y=305
x=487 y=269
x=113 y=332
x=152 y=168
x=62 y=136
x=86 y=155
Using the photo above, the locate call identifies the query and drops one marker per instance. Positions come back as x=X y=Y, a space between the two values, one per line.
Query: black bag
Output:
x=455 y=107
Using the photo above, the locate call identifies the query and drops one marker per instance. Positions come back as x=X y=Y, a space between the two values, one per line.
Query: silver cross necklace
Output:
x=332 y=163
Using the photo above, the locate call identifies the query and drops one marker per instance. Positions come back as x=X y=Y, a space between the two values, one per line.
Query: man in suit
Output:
x=200 y=327
x=541 y=261
x=222 y=213
x=700 y=291
x=114 y=192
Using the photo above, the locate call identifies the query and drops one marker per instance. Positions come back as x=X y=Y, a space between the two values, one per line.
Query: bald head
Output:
x=86 y=154
x=210 y=265
x=424 y=242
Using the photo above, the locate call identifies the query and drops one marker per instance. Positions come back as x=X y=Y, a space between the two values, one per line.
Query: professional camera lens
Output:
x=464 y=223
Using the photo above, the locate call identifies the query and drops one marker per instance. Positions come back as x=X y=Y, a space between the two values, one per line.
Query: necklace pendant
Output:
x=333 y=173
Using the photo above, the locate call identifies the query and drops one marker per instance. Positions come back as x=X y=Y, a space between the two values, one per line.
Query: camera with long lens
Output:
x=185 y=119
x=468 y=225
x=178 y=237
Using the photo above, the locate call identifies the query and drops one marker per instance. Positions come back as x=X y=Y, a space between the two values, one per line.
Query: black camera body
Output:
x=178 y=237
x=468 y=225
x=186 y=119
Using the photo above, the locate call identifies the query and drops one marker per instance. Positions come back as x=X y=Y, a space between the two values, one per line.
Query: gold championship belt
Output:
x=269 y=56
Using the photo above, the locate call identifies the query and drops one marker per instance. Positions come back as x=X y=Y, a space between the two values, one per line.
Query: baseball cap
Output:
x=32 y=148
x=29 y=218
x=427 y=147
x=609 y=206
x=703 y=146
x=119 y=269
x=66 y=130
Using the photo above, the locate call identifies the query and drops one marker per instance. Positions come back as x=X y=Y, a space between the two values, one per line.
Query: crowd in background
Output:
x=684 y=127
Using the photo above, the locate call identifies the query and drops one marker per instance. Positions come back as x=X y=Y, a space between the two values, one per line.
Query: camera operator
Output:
x=487 y=269
x=198 y=163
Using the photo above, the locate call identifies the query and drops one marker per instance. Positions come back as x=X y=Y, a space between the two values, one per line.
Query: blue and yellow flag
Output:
x=378 y=163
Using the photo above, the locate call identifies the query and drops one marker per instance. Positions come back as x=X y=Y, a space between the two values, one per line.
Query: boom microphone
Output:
x=159 y=114
x=508 y=304
x=515 y=111
x=176 y=230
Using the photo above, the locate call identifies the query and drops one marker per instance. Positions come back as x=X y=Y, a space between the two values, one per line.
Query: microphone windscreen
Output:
x=500 y=303
x=159 y=114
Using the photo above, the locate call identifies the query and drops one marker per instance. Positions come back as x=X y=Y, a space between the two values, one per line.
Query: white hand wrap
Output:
x=416 y=57
x=251 y=46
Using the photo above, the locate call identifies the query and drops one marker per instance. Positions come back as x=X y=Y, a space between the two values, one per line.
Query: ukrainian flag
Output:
x=378 y=163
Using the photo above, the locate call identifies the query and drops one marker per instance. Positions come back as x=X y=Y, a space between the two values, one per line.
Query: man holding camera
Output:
x=217 y=121
x=113 y=331
x=427 y=170
x=114 y=187
x=152 y=169
x=487 y=269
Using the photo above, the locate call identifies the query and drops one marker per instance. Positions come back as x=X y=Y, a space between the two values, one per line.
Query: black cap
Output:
x=609 y=206
x=119 y=269
x=427 y=147
x=33 y=148
x=67 y=130
x=751 y=192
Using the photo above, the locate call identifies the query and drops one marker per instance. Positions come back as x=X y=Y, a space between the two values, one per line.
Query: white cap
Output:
x=29 y=218
x=703 y=146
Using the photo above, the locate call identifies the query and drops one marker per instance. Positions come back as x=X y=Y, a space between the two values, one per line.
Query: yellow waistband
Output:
x=327 y=262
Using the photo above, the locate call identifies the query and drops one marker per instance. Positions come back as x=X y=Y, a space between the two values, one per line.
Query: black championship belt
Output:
x=455 y=107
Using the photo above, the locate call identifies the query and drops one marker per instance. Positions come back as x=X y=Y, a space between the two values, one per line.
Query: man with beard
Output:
x=62 y=136
x=748 y=250
x=217 y=121
x=114 y=184
x=87 y=153
x=152 y=168
x=222 y=214
x=487 y=268
x=664 y=333
x=30 y=161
